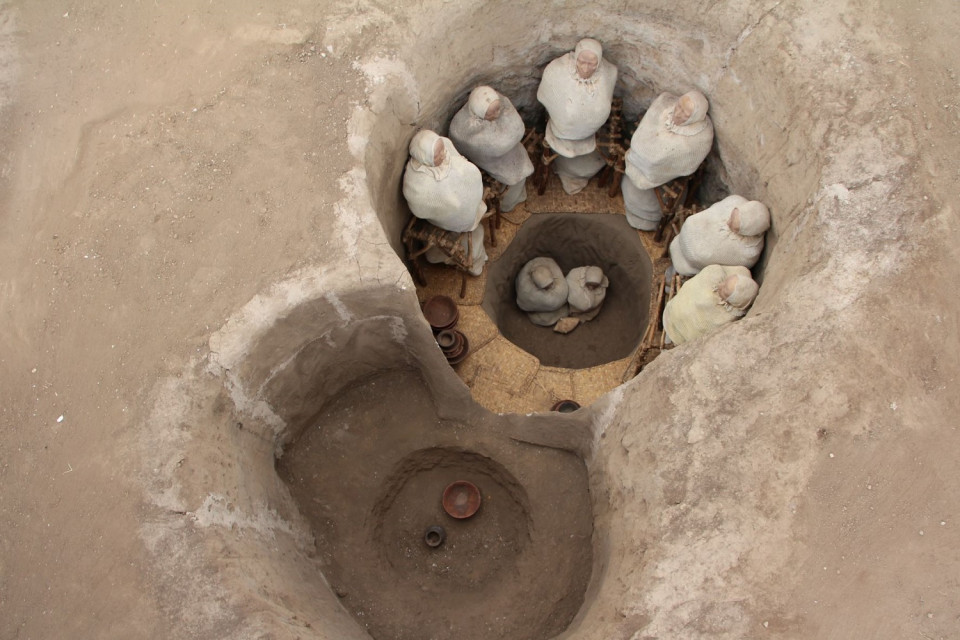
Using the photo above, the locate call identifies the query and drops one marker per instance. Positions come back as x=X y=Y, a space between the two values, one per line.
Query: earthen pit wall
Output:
x=763 y=85
x=654 y=51
x=762 y=129
x=787 y=101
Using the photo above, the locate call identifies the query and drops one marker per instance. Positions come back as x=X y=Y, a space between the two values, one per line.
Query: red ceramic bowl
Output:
x=461 y=499
x=441 y=312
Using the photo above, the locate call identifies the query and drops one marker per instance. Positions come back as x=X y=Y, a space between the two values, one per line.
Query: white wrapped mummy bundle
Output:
x=664 y=148
x=661 y=149
x=488 y=131
x=587 y=288
x=577 y=100
x=442 y=186
x=542 y=291
x=714 y=297
x=729 y=233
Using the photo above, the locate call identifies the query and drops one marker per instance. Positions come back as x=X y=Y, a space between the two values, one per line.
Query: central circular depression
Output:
x=576 y=240
x=368 y=475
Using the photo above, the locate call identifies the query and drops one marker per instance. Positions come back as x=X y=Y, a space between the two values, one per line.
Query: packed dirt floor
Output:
x=467 y=587
x=198 y=230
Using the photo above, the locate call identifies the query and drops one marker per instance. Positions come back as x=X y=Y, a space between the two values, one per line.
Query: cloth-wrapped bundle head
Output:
x=488 y=130
x=541 y=286
x=577 y=89
x=738 y=291
x=587 y=57
x=587 y=289
x=542 y=277
x=442 y=186
x=484 y=103
x=429 y=154
x=711 y=236
x=750 y=219
x=593 y=277
x=691 y=108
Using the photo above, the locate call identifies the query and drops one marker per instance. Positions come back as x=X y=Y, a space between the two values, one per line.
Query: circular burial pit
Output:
x=370 y=478
x=357 y=447
x=576 y=240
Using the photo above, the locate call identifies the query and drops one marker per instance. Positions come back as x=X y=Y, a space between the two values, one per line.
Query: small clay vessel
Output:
x=447 y=340
x=565 y=406
x=434 y=536
x=441 y=312
x=461 y=352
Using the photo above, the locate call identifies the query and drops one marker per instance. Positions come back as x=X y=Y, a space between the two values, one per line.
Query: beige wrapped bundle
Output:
x=729 y=233
x=714 y=297
x=442 y=186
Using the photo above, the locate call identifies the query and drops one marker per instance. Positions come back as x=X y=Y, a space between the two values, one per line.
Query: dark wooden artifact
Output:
x=613 y=147
x=420 y=236
x=674 y=196
x=491 y=197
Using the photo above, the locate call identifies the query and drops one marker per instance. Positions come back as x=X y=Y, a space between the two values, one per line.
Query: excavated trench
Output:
x=368 y=424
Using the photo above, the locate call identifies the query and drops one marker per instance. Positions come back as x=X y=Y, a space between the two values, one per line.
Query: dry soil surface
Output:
x=165 y=162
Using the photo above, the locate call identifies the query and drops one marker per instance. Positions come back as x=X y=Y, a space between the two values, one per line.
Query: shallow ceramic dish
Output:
x=441 y=312
x=461 y=499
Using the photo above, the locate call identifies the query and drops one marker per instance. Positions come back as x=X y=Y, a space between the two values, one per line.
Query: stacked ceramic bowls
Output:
x=454 y=345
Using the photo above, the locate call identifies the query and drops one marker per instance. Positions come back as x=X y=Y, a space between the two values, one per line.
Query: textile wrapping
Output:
x=575 y=173
x=661 y=151
x=706 y=237
x=450 y=195
x=585 y=300
x=493 y=145
x=541 y=286
x=641 y=206
x=577 y=107
x=697 y=309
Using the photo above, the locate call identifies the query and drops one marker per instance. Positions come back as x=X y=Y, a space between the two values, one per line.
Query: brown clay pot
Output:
x=441 y=312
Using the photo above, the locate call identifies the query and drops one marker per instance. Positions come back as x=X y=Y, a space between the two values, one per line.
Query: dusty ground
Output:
x=166 y=163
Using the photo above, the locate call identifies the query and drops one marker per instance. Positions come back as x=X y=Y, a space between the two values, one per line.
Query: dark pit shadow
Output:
x=575 y=240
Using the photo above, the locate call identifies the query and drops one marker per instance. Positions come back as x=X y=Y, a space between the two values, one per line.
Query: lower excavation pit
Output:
x=369 y=477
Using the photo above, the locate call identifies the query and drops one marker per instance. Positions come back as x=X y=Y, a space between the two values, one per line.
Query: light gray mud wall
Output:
x=707 y=470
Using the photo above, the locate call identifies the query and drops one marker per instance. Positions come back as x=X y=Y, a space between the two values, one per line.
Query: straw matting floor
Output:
x=501 y=376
